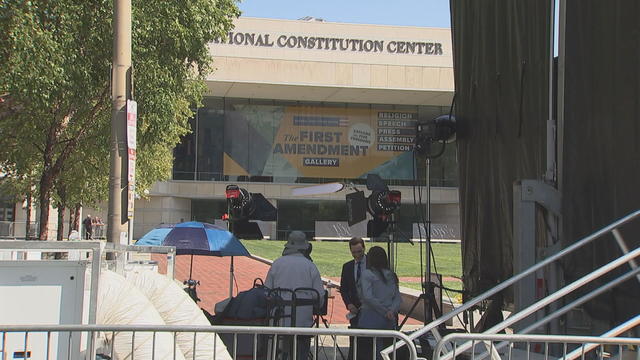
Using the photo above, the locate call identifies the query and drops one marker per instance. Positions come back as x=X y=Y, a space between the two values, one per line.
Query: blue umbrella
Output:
x=196 y=238
x=155 y=236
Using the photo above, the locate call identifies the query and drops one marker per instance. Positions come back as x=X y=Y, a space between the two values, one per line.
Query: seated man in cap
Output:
x=295 y=270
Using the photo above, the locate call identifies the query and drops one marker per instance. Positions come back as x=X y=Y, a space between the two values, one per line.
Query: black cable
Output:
x=418 y=214
x=423 y=280
x=453 y=101
x=520 y=107
x=432 y=257
x=447 y=293
x=427 y=222
x=395 y=244
x=402 y=233
x=426 y=228
x=427 y=225
x=439 y=286
x=327 y=325
x=444 y=143
x=417 y=211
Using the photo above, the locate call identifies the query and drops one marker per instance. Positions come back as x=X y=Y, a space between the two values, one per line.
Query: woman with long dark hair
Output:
x=380 y=297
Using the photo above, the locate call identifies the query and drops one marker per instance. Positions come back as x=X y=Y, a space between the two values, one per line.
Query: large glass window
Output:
x=211 y=139
x=208 y=210
x=184 y=155
x=302 y=215
x=307 y=142
x=7 y=207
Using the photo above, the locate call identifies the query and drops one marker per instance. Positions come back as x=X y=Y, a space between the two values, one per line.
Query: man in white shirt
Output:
x=291 y=271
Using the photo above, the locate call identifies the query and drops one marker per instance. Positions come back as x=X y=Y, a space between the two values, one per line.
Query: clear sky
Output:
x=426 y=13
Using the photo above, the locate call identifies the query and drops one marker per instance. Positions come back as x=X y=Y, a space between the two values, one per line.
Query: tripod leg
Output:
x=433 y=304
x=413 y=307
x=335 y=340
x=195 y=293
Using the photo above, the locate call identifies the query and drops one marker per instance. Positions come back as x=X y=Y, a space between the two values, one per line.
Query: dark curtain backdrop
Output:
x=601 y=162
x=501 y=71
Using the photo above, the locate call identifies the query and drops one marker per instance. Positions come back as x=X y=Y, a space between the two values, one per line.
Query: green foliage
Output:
x=56 y=64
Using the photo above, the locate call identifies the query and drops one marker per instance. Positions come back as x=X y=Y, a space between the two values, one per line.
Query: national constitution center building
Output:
x=294 y=103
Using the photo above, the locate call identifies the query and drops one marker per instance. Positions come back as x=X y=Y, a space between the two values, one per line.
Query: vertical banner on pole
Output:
x=132 y=114
x=131 y=188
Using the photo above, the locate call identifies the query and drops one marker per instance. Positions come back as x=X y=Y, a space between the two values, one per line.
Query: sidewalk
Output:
x=213 y=274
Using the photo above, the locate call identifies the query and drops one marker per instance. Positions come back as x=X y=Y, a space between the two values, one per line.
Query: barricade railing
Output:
x=17 y=229
x=6 y=229
x=22 y=248
x=522 y=346
x=628 y=257
x=47 y=342
x=19 y=249
x=91 y=251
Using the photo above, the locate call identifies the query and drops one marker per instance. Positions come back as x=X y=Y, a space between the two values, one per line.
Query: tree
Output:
x=55 y=85
x=17 y=182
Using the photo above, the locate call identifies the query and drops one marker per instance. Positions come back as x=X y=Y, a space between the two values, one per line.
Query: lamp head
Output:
x=440 y=129
x=381 y=204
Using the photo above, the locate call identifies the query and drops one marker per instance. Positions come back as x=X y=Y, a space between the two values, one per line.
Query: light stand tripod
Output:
x=320 y=318
x=428 y=298
x=440 y=129
x=390 y=245
x=230 y=228
x=192 y=285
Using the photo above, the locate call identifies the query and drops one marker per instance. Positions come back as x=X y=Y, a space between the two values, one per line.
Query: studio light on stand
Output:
x=239 y=202
x=243 y=206
x=381 y=204
x=441 y=129
x=431 y=139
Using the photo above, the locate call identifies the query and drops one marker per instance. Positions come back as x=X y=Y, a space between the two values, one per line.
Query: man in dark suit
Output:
x=351 y=271
x=88 y=227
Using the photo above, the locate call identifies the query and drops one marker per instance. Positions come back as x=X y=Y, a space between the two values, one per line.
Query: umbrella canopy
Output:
x=196 y=238
x=155 y=236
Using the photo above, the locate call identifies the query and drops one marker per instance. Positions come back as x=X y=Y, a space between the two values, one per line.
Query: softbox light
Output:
x=356 y=207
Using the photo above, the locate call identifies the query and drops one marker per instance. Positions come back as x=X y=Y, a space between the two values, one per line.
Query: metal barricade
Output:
x=17 y=230
x=90 y=252
x=99 y=231
x=628 y=258
x=6 y=229
x=23 y=341
x=535 y=347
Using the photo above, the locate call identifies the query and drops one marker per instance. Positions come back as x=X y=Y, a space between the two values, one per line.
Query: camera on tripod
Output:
x=191 y=283
x=191 y=289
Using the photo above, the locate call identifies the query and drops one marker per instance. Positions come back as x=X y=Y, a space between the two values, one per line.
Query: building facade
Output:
x=296 y=103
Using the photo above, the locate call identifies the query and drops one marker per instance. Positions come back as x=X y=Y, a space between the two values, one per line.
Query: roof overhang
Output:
x=303 y=92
